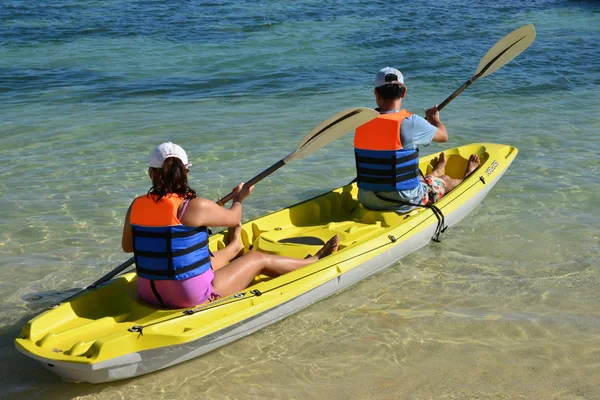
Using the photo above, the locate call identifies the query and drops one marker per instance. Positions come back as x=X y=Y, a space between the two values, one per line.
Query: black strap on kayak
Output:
x=256 y=293
x=441 y=224
x=156 y=294
x=253 y=293
x=137 y=328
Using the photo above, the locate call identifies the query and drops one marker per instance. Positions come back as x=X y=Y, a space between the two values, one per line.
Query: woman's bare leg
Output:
x=236 y=275
x=234 y=247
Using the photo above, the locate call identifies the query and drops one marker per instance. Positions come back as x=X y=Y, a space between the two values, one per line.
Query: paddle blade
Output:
x=505 y=50
x=331 y=129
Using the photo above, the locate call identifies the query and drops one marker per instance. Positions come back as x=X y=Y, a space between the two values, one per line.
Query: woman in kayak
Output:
x=166 y=230
x=387 y=154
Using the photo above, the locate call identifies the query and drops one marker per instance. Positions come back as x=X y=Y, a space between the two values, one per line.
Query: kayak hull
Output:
x=120 y=355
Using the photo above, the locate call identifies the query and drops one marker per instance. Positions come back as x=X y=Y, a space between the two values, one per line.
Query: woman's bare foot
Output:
x=473 y=164
x=234 y=234
x=330 y=247
x=440 y=166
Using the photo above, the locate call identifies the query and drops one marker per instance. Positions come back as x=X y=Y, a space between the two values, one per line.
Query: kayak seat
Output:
x=297 y=242
x=308 y=240
x=366 y=216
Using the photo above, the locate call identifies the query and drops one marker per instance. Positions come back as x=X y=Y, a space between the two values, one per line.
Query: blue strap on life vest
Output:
x=387 y=171
x=170 y=252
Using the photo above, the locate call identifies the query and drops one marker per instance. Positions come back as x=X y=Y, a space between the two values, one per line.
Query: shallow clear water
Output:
x=505 y=307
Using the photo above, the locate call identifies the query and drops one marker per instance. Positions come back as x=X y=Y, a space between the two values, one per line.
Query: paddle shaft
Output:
x=100 y=281
x=130 y=262
x=255 y=180
x=336 y=121
x=456 y=93
x=482 y=70
x=469 y=82
x=324 y=133
x=314 y=141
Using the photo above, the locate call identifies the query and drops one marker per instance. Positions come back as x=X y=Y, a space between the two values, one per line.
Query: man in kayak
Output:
x=387 y=154
x=166 y=230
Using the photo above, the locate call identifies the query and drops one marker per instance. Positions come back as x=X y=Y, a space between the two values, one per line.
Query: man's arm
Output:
x=433 y=117
x=416 y=131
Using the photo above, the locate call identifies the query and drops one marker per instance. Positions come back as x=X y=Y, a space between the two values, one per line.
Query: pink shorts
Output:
x=179 y=294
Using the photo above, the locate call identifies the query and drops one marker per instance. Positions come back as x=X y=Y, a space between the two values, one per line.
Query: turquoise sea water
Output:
x=505 y=307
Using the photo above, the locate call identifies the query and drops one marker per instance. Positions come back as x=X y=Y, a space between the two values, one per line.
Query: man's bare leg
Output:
x=473 y=163
x=440 y=166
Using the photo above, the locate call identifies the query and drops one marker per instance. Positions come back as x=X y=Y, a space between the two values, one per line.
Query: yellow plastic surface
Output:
x=95 y=326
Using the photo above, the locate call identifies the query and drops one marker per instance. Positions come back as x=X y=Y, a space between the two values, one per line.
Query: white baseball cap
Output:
x=166 y=150
x=389 y=76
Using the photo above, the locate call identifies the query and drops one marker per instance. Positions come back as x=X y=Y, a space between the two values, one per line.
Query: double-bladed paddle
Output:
x=338 y=125
x=323 y=134
x=502 y=52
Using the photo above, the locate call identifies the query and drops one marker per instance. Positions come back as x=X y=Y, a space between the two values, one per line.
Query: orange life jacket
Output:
x=382 y=165
x=381 y=133
x=145 y=211
x=163 y=247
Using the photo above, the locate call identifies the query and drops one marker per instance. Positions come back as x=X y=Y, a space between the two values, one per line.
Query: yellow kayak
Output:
x=107 y=334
